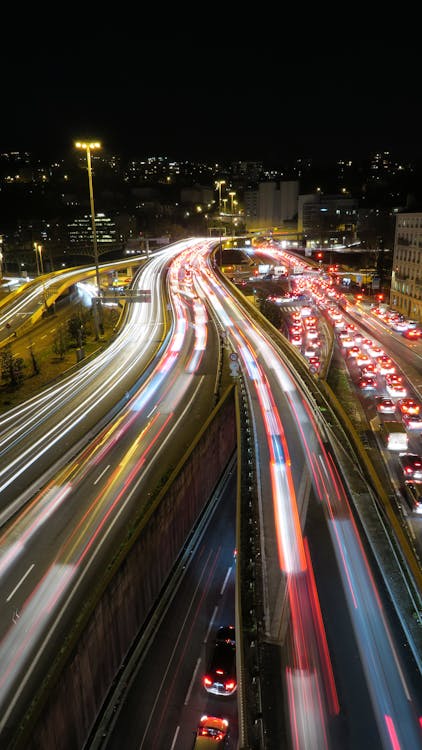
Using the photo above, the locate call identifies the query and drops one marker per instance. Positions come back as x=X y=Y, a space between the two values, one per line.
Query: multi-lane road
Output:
x=344 y=670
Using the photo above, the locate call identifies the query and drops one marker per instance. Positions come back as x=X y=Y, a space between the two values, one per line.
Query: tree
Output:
x=60 y=343
x=76 y=329
x=12 y=368
x=35 y=364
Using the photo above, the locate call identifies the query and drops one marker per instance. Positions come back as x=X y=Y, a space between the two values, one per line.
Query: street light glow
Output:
x=87 y=146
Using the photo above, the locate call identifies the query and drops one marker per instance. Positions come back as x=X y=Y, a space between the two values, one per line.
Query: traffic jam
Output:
x=382 y=388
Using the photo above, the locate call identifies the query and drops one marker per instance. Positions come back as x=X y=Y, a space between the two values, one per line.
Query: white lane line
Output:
x=102 y=473
x=210 y=625
x=225 y=581
x=175 y=738
x=191 y=682
x=20 y=582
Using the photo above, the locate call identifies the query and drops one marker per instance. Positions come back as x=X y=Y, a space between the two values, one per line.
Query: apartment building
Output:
x=406 y=277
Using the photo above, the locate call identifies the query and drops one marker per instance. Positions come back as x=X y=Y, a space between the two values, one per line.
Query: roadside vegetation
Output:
x=39 y=358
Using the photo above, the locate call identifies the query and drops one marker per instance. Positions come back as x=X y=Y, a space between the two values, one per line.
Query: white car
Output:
x=396 y=390
x=375 y=351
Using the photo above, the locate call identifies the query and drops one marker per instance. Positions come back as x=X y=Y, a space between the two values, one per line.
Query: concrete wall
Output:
x=76 y=693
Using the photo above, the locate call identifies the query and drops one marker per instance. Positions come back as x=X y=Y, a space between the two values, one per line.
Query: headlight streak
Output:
x=348 y=548
x=92 y=528
x=378 y=653
x=64 y=426
x=308 y=703
x=201 y=336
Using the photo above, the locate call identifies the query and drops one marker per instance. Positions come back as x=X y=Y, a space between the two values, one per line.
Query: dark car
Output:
x=414 y=496
x=226 y=634
x=220 y=677
x=411 y=465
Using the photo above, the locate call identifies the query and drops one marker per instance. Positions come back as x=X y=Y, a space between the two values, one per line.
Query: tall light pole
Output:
x=88 y=147
x=232 y=194
x=39 y=248
x=40 y=269
x=218 y=184
x=36 y=257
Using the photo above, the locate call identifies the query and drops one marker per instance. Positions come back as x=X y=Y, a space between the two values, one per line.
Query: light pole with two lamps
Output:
x=88 y=147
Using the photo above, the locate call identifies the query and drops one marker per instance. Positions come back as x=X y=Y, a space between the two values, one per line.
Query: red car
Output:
x=408 y=406
x=314 y=362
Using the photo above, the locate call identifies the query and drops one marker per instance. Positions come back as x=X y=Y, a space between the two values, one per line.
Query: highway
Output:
x=37 y=439
x=165 y=713
x=54 y=544
x=320 y=588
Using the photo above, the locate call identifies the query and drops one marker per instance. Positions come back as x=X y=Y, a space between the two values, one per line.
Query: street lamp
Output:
x=36 y=257
x=232 y=194
x=41 y=266
x=40 y=269
x=218 y=184
x=88 y=147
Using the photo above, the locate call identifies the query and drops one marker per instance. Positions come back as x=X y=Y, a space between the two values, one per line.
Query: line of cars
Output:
x=304 y=333
x=219 y=679
x=409 y=328
x=400 y=415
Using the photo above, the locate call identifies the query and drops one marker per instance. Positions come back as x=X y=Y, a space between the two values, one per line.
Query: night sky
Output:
x=211 y=104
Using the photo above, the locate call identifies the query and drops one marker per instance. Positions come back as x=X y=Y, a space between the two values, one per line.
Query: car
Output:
x=393 y=378
x=386 y=406
x=386 y=366
x=408 y=406
x=308 y=351
x=362 y=359
x=411 y=465
x=212 y=732
x=412 y=421
x=399 y=325
x=396 y=390
x=226 y=634
x=367 y=384
x=375 y=351
x=343 y=334
x=369 y=369
x=312 y=333
x=314 y=363
x=358 y=337
x=305 y=311
x=296 y=340
x=366 y=344
x=413 y=334
x=347 y=342
x=220 y=676
x=414 y=495
x=354 y=351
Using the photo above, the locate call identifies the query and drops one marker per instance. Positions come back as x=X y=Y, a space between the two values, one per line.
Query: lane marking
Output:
x=20 y=582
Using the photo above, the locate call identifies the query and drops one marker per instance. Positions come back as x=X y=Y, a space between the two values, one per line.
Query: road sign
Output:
x=234 y=357
x=234 y=369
